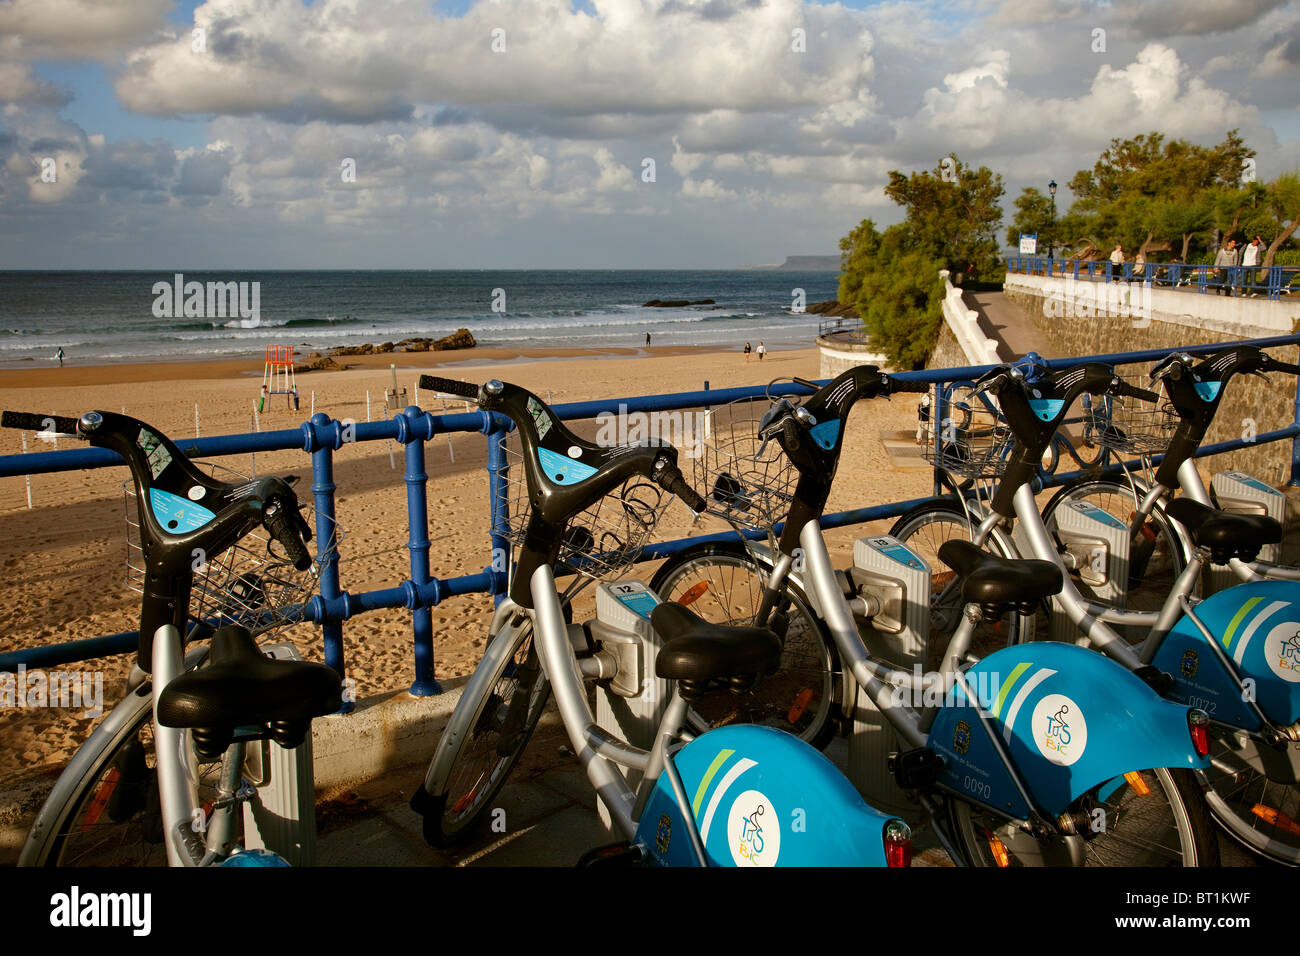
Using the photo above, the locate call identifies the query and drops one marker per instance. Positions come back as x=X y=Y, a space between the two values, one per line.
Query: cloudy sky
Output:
x=523 y=133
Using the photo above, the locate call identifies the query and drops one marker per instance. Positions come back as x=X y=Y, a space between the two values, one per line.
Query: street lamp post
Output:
x=1051 y=235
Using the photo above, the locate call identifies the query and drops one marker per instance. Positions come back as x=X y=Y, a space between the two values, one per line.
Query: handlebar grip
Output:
x=790 y=430
x=1134 y=392
x=672 y=481
x=280 y=522
x=450 y=386
x=35 y=422
x=1273 y=366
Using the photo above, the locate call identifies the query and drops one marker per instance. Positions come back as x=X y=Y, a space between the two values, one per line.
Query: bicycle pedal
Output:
x=915 y=769
x=615 y=854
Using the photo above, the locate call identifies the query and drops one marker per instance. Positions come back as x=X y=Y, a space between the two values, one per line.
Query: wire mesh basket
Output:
x=252 y=583
x=1128 y=424
x=746 y=481
x=599 y=542
x=965 y=436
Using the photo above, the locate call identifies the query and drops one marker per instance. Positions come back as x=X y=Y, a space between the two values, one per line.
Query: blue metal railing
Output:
x=1237 y=280
x=322 y=436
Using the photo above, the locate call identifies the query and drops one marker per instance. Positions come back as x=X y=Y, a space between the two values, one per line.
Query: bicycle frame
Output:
x=1176 y=629
x=1017 y=784
x=776 y=768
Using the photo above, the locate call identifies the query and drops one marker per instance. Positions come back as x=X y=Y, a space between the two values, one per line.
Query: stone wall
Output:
x=1270 y=405
x=947 y=351
x=839 y=355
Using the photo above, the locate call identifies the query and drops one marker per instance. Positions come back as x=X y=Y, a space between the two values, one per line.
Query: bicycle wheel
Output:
x=487 y=733
x=924 y=529
x=722 y=584
x=104 y=810
x=1154 y=818
x=1156 y=558
x=1261 y=814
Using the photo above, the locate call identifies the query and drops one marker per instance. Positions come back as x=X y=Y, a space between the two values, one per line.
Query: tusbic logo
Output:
x=1282 y=651
x=1059 y=730
x=753 y=832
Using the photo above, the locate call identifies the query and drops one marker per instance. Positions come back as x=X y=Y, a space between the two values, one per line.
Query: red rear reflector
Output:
x=1201 y=740
x=898 y=843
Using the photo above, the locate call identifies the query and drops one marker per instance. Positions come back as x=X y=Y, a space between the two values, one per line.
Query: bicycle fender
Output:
x=1070 y=718
x=761 y=797
x=1258 y=628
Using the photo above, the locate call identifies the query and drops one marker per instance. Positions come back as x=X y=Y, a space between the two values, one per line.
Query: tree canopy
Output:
x=1156 y=195
x=951 y=218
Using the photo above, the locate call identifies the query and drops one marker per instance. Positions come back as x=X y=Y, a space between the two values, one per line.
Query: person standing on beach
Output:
x=59 y=355
x=747 y=351
x=923 y=419
x=762 y=350
x=647 y=340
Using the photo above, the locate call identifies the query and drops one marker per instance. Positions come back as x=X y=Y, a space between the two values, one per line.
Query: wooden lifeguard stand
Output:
x=277 y=376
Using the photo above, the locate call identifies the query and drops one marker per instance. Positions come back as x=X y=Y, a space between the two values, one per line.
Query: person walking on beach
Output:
x=923 y=419
x=59 y=355
x=747 y=351
x=647 y=340
x=762 y=350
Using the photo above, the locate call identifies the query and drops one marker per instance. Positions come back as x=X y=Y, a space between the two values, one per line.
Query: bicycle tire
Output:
x=1154 y=565
x=1173 y=830
x=1240 y=799
x=922 y=530
x=104 y=808
x=468 y=768
x=804 y=696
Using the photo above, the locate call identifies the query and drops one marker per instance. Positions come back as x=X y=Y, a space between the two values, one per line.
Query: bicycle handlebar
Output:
x=450 y=386
x=35 y=422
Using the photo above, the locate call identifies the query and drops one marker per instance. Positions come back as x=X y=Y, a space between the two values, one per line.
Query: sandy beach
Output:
x=64 y=558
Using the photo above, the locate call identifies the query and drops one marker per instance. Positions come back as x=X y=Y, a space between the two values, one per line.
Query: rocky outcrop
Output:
x=833 y=308
x=460 y=339
x=318 y=363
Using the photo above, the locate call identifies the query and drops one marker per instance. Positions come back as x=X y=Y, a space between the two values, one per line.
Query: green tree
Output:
x=895 y=286
x=1283 y=200
x=952 y=214
x=1033 y=217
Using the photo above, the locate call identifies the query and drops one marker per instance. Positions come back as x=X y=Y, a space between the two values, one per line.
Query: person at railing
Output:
x=1250 y=257
x=1116 y=262
x=1140 y=266
x=1226 y=261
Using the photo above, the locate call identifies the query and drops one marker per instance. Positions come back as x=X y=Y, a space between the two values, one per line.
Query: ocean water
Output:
x=123 y=316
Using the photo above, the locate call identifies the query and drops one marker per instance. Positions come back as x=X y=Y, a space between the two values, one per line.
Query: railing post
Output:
x=417 y=514
x=498 y=469
x=1295 y=442
x=324 y=436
